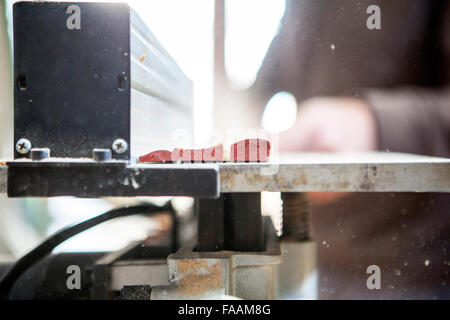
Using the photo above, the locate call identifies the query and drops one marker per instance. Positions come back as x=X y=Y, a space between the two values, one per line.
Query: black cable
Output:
x=46 y=247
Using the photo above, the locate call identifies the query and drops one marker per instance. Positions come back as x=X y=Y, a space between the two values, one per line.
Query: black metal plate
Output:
x=116 y=178
x=66 y=94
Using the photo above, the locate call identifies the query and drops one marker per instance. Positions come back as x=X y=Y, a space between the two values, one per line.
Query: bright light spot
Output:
x=185 y=29
x=250 y=26
x=280 y=113
x=272 y=205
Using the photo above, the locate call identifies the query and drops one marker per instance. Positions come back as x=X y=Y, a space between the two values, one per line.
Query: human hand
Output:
x=331 y=125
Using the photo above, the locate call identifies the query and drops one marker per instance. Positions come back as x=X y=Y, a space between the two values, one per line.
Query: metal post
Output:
x=243 y=222
x=210 y=234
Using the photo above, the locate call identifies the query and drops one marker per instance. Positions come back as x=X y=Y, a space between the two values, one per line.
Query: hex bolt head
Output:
x=101 y=154
x=23 y=146
x=119 y=146
x=39 y=153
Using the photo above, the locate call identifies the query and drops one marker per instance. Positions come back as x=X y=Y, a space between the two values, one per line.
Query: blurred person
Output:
x=362 y=89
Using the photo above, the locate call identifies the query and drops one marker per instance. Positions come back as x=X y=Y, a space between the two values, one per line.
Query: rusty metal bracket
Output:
x=214 y=275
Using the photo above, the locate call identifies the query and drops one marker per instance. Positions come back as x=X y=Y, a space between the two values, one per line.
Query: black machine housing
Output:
x=87 y=74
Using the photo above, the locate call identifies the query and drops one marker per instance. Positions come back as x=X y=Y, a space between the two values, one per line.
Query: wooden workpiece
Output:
x=247 y=150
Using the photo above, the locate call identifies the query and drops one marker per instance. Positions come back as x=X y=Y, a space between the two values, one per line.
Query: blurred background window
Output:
x=250 y=26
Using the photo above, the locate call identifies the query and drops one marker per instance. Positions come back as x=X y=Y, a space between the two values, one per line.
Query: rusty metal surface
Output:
x=295 y=216
x=200 y=275
x=220 y=274
x=369 y=172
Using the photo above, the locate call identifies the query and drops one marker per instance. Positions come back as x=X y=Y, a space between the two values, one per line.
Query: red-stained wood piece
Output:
x=250 y=150
x=212 y=154
x=247 y=150
x=157 y=156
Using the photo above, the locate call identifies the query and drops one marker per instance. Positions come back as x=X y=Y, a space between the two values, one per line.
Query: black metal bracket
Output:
x=90 y=179
x=232 y=222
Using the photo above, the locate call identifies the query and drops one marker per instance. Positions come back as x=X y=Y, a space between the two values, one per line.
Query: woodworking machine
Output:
x=93 y=90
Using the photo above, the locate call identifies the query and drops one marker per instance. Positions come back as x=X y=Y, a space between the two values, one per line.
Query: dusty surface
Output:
x=197 y=277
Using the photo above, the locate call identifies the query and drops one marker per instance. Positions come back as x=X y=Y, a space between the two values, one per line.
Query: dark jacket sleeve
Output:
x=412 y=120
x=416 y=120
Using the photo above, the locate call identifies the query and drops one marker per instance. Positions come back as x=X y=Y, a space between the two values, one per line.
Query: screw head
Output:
x=119 y=146
x=23 y=146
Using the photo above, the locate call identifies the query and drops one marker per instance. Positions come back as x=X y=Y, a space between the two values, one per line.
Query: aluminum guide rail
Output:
x=363 y=172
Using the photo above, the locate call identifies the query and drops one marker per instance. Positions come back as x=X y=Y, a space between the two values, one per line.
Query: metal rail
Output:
x=370 y=172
